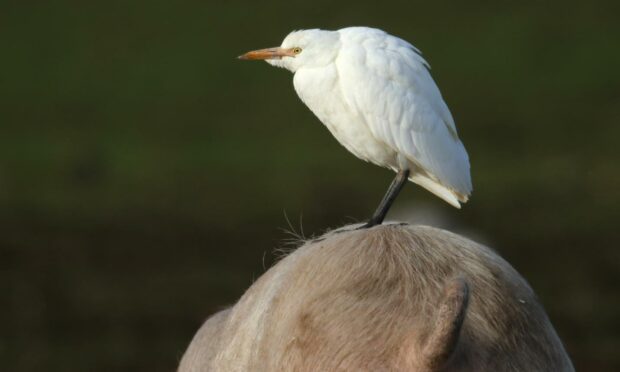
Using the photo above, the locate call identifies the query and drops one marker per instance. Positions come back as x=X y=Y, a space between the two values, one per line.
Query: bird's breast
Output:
x=320 y=90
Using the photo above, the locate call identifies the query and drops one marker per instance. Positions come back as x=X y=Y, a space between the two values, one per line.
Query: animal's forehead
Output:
x=300 y=37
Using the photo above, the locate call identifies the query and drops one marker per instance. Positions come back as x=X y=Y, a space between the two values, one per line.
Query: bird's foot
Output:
x=369 y=224
x=348 y=229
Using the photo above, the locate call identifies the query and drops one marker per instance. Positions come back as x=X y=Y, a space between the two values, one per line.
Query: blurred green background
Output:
x=145 y=173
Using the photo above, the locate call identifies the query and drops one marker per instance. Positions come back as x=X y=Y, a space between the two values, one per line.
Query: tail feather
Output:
x=452 y=197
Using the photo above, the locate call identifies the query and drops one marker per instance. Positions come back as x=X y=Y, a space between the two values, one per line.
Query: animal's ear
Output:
x=446 y=327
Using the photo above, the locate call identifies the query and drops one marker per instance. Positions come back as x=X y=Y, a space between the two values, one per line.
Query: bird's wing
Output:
x=387 y=82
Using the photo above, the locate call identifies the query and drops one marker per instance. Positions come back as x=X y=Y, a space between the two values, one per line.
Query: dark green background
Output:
x=144 y=171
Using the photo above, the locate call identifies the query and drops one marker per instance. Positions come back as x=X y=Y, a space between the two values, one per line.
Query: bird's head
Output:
x=305 y=48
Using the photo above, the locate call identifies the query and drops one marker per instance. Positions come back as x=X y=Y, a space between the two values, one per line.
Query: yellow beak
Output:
x=269 y=53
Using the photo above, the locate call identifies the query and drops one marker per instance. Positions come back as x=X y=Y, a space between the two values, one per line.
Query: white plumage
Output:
x=374 y=93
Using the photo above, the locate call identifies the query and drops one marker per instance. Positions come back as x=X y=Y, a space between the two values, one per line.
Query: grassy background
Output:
x=144 y=172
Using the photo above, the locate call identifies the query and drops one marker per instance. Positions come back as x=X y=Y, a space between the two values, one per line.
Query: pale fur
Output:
x=389 y=298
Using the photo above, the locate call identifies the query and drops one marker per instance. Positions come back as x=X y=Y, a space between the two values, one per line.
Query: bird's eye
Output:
x=297 y=50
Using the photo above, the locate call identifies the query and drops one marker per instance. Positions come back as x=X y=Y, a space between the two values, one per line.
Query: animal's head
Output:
x=300 y=49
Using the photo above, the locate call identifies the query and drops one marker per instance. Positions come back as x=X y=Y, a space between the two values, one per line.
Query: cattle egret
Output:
x=375 y=94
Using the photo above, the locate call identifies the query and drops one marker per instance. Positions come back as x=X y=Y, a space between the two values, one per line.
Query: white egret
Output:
x=375 y=94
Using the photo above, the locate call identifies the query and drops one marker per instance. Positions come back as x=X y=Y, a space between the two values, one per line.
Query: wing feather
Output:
x=388 y=83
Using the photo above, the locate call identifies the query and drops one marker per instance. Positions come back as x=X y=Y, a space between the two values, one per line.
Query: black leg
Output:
x=391 y=194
